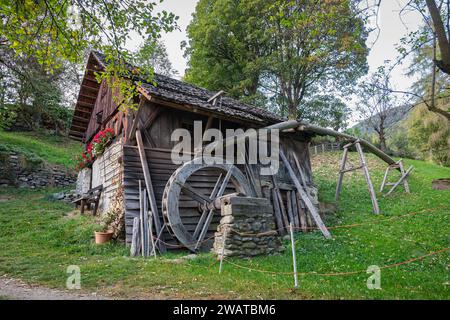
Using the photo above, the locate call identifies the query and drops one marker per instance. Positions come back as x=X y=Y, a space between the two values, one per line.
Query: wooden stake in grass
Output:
x=223 y=250
x=294 y=258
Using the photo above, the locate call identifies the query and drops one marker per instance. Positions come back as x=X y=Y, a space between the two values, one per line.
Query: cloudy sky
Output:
x=392 y=29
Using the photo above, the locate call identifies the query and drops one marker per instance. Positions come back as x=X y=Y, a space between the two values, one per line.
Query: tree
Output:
x=283 y=50
x=325 y=111
x=441 y=34
x=152 y=54
x=54 y=31
x=376 y=103
x=227 y=41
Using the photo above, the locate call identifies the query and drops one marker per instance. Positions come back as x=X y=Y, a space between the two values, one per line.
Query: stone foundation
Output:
x=250 y=228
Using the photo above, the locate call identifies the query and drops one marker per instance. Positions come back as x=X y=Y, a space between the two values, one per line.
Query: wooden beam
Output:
x=80 y=119
x=152 y=117
x=136 y=120
x=312 y=209
x=149 y=187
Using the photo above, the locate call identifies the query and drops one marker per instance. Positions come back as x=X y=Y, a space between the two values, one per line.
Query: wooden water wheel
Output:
x=200 y=182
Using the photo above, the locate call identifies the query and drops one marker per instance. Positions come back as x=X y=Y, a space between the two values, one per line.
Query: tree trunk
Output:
x=382 y=137
x=439 y=29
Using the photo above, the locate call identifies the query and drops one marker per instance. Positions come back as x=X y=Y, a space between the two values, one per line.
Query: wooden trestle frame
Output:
x=363 y=166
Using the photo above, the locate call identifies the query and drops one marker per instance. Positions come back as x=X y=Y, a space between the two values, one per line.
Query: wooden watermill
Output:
x=192 y=188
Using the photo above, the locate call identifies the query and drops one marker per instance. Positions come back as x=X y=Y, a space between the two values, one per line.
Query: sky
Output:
x=392 y=29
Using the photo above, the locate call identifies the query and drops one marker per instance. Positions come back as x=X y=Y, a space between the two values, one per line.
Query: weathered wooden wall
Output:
x=107 y=170
x=158 y=152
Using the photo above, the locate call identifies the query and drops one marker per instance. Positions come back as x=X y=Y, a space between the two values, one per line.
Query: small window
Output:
x=99 y=117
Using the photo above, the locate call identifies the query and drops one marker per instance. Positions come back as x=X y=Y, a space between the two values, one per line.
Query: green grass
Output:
x=51 y=148
x=38 y=240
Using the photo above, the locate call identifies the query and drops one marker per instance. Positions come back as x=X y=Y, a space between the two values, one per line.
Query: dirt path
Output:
x=13 y=289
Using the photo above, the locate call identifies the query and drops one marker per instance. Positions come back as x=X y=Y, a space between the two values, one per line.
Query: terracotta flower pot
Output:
x=103 y=237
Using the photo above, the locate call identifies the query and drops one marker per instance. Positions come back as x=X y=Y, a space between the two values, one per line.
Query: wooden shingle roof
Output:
x=178 y=92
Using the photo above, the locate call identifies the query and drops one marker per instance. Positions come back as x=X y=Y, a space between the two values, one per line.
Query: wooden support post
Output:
x=294 y=256
x=343 y=169
x=312 y=209
x=149 y=187
x=373 y=196
x=341 y=175
x=383 y=183
x=403 y=177
x=405 y=181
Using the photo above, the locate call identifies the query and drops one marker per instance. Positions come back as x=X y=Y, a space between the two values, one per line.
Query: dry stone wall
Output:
x=249 y=228
x=16 y=172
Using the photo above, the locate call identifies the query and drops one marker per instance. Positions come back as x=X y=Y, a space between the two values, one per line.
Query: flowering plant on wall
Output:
x=94 y=149
x=100 y=141
x=86 y=158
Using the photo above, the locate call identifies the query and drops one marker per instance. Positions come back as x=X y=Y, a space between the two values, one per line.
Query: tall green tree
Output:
x=283 y=50
x=54 y=31
x=228 y=40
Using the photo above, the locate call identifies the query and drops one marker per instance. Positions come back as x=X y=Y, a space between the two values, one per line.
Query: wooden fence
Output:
x=324 y=147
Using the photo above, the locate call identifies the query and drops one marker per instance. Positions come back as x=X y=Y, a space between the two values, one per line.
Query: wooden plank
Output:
x=277 y=212
x=289 y=207
x=295 y=209
x=149 y=187
x=301 y=213
x=135 y=243
x=280 y=202
x=312 y=209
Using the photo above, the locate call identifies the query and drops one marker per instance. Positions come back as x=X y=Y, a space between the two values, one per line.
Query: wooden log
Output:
x=149 y=187
x=312 y=209
x=324 y=131
x=299 y=168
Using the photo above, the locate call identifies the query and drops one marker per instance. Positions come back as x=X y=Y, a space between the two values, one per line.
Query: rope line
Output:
x=334 y=227
x=329 y=274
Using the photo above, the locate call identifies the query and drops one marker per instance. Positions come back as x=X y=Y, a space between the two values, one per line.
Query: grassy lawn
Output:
x=52 y=148
x=40 y=238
